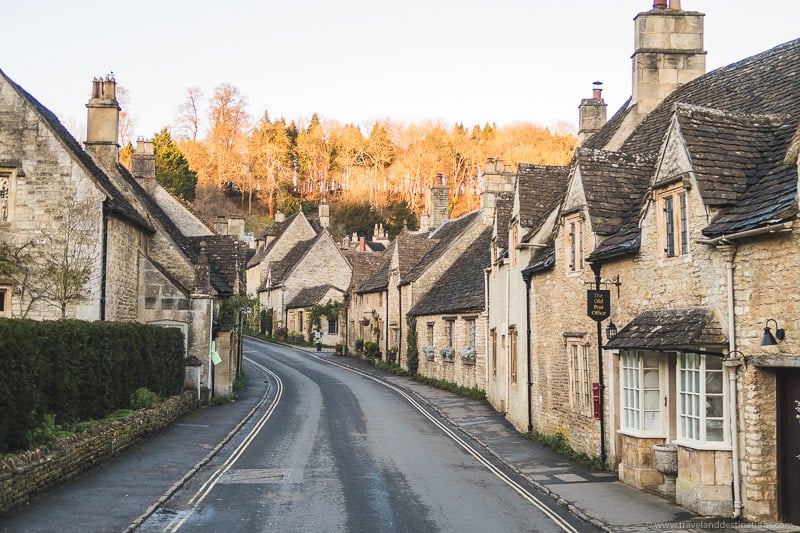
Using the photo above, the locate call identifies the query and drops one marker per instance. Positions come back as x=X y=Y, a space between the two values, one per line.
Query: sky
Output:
x=356 y=61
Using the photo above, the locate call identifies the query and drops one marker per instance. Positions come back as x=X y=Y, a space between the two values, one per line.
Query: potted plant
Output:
x=281 y=333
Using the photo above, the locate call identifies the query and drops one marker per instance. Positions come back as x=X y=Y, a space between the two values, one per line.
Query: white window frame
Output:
x=692 y=403
x=634 y=393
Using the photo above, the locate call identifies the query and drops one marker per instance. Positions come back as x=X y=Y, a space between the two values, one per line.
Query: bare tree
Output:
x=56 y=269
x=188 y=114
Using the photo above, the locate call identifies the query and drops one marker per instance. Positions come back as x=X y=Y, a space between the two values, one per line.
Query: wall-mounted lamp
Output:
x=611 y=331
x=767 y=339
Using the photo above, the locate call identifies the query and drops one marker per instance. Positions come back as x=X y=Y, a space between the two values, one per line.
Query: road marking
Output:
x=519 y=489
x=212 y=481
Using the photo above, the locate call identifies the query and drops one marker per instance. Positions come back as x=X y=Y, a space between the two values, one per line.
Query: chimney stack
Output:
x=143 y=163
x=362 y=244
x=324 y=214
x=102 y=122
x=592 y=114
x=439 y=200
x=668 y=53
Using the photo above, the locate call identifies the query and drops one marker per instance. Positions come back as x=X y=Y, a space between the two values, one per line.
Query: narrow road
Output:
x=333 y=450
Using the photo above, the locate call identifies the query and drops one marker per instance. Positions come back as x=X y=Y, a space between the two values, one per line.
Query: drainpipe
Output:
x=104 y=263
x=528 y=345
x=399 y=319
x=732 y=364
x=386 y=321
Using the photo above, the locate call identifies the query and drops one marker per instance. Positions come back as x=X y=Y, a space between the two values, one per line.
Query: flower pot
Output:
x=666 y=456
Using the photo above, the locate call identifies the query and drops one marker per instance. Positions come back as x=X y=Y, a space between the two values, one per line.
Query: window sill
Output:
x=703 y=446
x=641 y=434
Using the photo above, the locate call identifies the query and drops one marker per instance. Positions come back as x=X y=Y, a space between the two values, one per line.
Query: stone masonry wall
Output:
x=457 y=370
x=31 y=472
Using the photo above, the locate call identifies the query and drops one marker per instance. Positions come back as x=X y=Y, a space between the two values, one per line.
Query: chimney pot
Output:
x=362 y=244
x=659 y=4
x=597 y=90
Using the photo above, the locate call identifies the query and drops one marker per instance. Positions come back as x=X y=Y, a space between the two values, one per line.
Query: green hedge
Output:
x=79 y=371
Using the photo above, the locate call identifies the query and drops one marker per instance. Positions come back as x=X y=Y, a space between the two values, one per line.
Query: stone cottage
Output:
x=682 y=208
x=145 y=257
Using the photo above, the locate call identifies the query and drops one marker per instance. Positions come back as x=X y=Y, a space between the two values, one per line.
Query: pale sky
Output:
x=467 y=61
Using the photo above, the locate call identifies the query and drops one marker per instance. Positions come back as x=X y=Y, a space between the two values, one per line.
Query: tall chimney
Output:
x=143 y=162
x=439 y=199
x=102 y=122
x=592 y=114
x=668 y=52
x=324 y=214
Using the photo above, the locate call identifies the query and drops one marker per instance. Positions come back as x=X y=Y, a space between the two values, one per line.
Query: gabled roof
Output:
x=542 y=260
x=540 y=187
x=461 y=287
x=310 y=296
x=602 y=137
x=739 y=163
x=115 y=200
x=671 y=329
x=442 y=236
x=614 y=184
x=276 y=230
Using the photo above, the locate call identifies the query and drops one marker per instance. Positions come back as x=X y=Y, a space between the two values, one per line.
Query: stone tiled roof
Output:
x=504 y=205
x=378 y=280
x=115 y=200
x=441 y=238
x=365 y=266
x=276 y=228
x=540 y=189
x=614 y=184
x=461 y=287
x=739 y=163
x=672 y=329
x=766 y=83
x=309 y=296
x=602 y=137
x=226 y=258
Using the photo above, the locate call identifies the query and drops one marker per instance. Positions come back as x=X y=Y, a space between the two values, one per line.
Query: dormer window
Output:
x=574 y=242
x=673 y=222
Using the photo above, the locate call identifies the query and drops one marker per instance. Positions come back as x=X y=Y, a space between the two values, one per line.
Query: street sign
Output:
x=598 y=304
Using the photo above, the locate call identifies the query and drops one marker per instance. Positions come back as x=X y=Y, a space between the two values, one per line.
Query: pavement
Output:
x=178 y=451
x=596 y=496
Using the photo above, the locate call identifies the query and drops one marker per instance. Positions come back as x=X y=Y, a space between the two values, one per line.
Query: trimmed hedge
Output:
x=79 y=370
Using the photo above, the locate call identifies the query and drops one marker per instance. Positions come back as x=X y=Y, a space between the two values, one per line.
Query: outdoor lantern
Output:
x=611 y=331
x=767 y=339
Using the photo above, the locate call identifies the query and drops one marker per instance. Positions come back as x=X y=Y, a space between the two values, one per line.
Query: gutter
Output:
x=723 y=239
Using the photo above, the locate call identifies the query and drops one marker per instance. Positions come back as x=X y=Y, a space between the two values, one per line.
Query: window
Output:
x=640 y=377
x=5 y=300
x=333 y=326
x=471 y=330
x=6 y=194
x=513 y=244
x=450 y=331
x=430 y=333
x=674 y=225
x=701 y=399
x=574 y=242
x=580 y=387
x=512 y=336
x=494 y=353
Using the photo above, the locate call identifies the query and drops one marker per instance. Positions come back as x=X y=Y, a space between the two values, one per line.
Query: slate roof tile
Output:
x=671 y=329
x=540 y=188
x=440 y=238
x=309 y=296
x=461 y=287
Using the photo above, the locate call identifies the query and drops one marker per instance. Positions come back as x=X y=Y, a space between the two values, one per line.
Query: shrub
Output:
x=144 y=398
x=359 y=345
x=372 y=350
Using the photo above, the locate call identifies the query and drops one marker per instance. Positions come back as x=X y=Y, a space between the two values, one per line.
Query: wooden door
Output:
x=789 y=444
